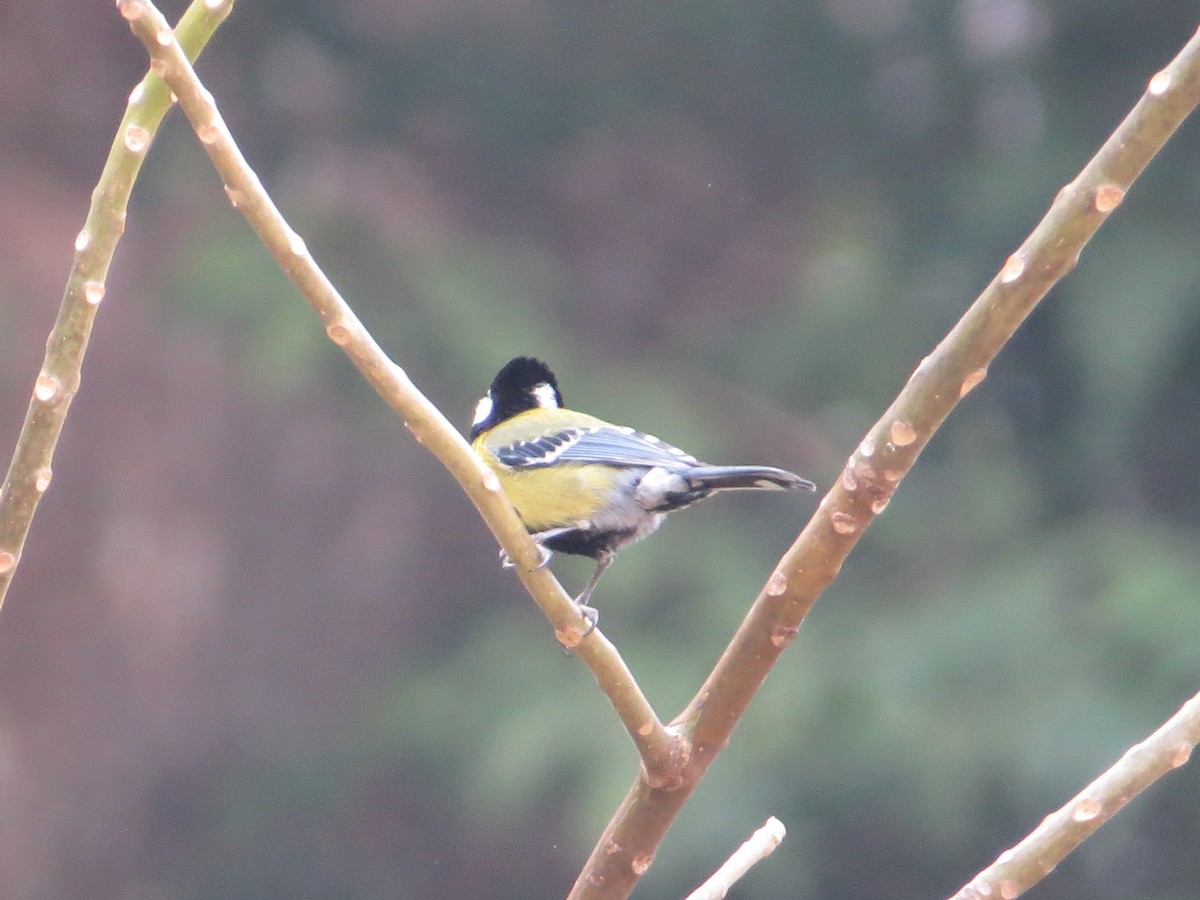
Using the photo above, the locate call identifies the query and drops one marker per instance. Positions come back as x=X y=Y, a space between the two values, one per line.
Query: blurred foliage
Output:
x=281 y=660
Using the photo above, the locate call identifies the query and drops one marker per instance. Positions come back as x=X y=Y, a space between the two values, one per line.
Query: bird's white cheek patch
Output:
x=483 y=409
x=543 y=396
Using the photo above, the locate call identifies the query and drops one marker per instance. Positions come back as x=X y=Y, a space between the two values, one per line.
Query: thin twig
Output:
x=658 y=747
x=757 y=847
x=57 y=382
x=958 y=364
x=1021 y=867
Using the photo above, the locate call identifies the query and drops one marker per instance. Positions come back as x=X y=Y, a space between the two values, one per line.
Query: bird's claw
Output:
x=506 y=561
x=591 y=615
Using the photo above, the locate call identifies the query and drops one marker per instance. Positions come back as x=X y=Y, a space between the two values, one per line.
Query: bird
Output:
x=584 y=486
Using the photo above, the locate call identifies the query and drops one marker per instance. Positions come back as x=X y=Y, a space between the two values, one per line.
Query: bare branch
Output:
x=757 y=847
x=873 y=471
x=1021 y=867
x=659 y=748
x=57 y=382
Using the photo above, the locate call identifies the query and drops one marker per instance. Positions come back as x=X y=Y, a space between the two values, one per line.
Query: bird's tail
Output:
x=744 y=478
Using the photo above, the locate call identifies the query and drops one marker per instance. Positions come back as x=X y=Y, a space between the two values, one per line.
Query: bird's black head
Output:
x=524 y=383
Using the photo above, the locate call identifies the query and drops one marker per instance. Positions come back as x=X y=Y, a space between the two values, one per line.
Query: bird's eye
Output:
x=483 y=409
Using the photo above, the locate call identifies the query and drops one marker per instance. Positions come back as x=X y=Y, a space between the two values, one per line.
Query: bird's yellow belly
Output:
x=562 y=495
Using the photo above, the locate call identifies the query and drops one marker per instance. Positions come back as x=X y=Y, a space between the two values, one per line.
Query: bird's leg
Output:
x=590 y=614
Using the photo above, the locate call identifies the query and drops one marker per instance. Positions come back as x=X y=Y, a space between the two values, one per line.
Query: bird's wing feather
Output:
x=604 y=445
x=544 y=450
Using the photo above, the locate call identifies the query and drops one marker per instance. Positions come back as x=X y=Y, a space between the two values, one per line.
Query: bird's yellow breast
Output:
x=547 y=496
x=555 y=496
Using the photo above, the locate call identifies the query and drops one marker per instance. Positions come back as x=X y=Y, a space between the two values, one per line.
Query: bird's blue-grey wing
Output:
x=606 y=445
x=615 y=446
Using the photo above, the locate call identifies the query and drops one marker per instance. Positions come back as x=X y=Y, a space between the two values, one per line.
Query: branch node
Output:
x=47 y=388
x=570 y=638
x=132 y=10
x=842 y=522
x=782 y=635
x=136 y=138
x=339 y=333
x=208 y=134
x=777 y=584
x=1014 y=268
x=902 y=433
x=93 y=292
x=972 y=381
x=42 y=478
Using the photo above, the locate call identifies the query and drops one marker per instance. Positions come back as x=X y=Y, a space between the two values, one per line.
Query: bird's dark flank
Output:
x=582 y=485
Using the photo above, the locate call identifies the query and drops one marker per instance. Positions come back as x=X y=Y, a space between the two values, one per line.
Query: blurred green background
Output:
x=260 y=646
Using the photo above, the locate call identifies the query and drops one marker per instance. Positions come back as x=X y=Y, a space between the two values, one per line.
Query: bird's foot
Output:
x=591 y=615
x=506 y=561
